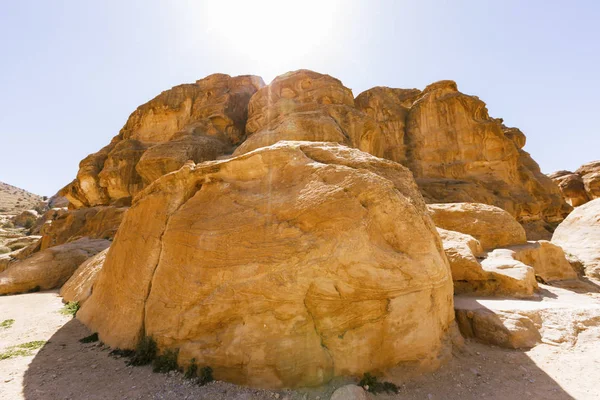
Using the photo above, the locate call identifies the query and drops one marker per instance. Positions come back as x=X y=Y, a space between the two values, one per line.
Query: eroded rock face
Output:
x=79 y=286
x=580 y=186
x=50 y=268
x=199 y=121
x=491 y=226
x=340 y=271
x=305 y=105
x=93 y=222
x=458 y=153
x=579 y=235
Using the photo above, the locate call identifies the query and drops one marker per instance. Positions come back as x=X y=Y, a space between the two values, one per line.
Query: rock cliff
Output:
x=580 y=186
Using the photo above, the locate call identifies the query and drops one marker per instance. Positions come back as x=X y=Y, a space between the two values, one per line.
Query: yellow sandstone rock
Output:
x=79 y=286
x=50 y=268
x=282 y=267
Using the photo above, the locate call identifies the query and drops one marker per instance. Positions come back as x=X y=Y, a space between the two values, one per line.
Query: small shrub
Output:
x=8 y=225
x=166 y=362
x=145 y=352
x=29 y=222
x=205 y=376
x=7 y=323
x=70 y=308
x=122 y=353
x=4 y=250
x=89 y=339
x=372 y=385
x=192 y=370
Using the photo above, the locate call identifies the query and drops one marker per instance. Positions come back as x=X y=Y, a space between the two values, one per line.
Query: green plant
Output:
x=145 y=352
x=192 y=370
x=8 y=225
x=371 y=384
x=70 y=308
x=166 y=362
x=205 y=376
x=29 y=222
x=4 y=250
x=22 y=350
x=7 y=323
x=89 y=339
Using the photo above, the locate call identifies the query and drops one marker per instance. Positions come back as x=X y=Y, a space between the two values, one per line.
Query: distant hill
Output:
x=13 y=200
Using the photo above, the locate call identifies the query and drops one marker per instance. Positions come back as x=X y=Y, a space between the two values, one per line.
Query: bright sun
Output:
x=273 y=32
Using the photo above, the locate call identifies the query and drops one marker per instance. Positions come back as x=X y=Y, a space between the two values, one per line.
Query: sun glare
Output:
x=273 y=33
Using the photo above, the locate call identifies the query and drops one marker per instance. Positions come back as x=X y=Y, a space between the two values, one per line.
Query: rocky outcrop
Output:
x=558 y=319
x=285 y=266
x=491 y=226
x=198 y=121
x=458 y=153
x=510 y=265
x=305 y=105
x=79 y=286
x=50 y=268
x=93 y=222
x=580 y=186
x=579 y=236
x=26 y=218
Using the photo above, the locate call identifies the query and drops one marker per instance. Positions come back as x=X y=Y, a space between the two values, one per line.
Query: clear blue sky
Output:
x=71 y=72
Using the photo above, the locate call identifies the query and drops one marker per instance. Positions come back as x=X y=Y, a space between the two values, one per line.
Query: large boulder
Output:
x=579 y=236
x=283 y=267
x=458 y=153
x=491 y=226
x=590 y=173
x=204 y=120
x=306 y=105
x=50 y=268
x=79 y=286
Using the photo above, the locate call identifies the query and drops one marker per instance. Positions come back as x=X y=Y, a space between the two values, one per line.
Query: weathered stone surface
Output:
x=572 y=187
x=590 y=174
x=459 y=154
x=204 y=120
x=93 y=222
x=340 y=271
x=511 y=277
x=305 y=105
x=579 y=235
x=547 y=259
x=350 y=392
x=556 y=319
x=463 y=251
x=79 y=286
x=50 y=268
x=26 y=218
x=491 y=226
x=580 y=186
x=389 y=107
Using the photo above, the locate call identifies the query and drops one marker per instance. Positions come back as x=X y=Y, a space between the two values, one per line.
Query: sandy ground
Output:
x=67 y=369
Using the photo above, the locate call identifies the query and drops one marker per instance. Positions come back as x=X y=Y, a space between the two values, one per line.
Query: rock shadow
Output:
x=67 y=369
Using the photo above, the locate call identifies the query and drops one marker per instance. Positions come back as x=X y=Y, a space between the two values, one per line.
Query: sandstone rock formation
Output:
x=50 y=268
x=93 y=222
x=26 y=218
x=581 y=186
x=509 y=266
x=305 y=105
x=459 y=154
x=79 y=286
x=558 y=319
x=285 y=266
x=491 y=226
x=579 y=236
x=194 y=121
